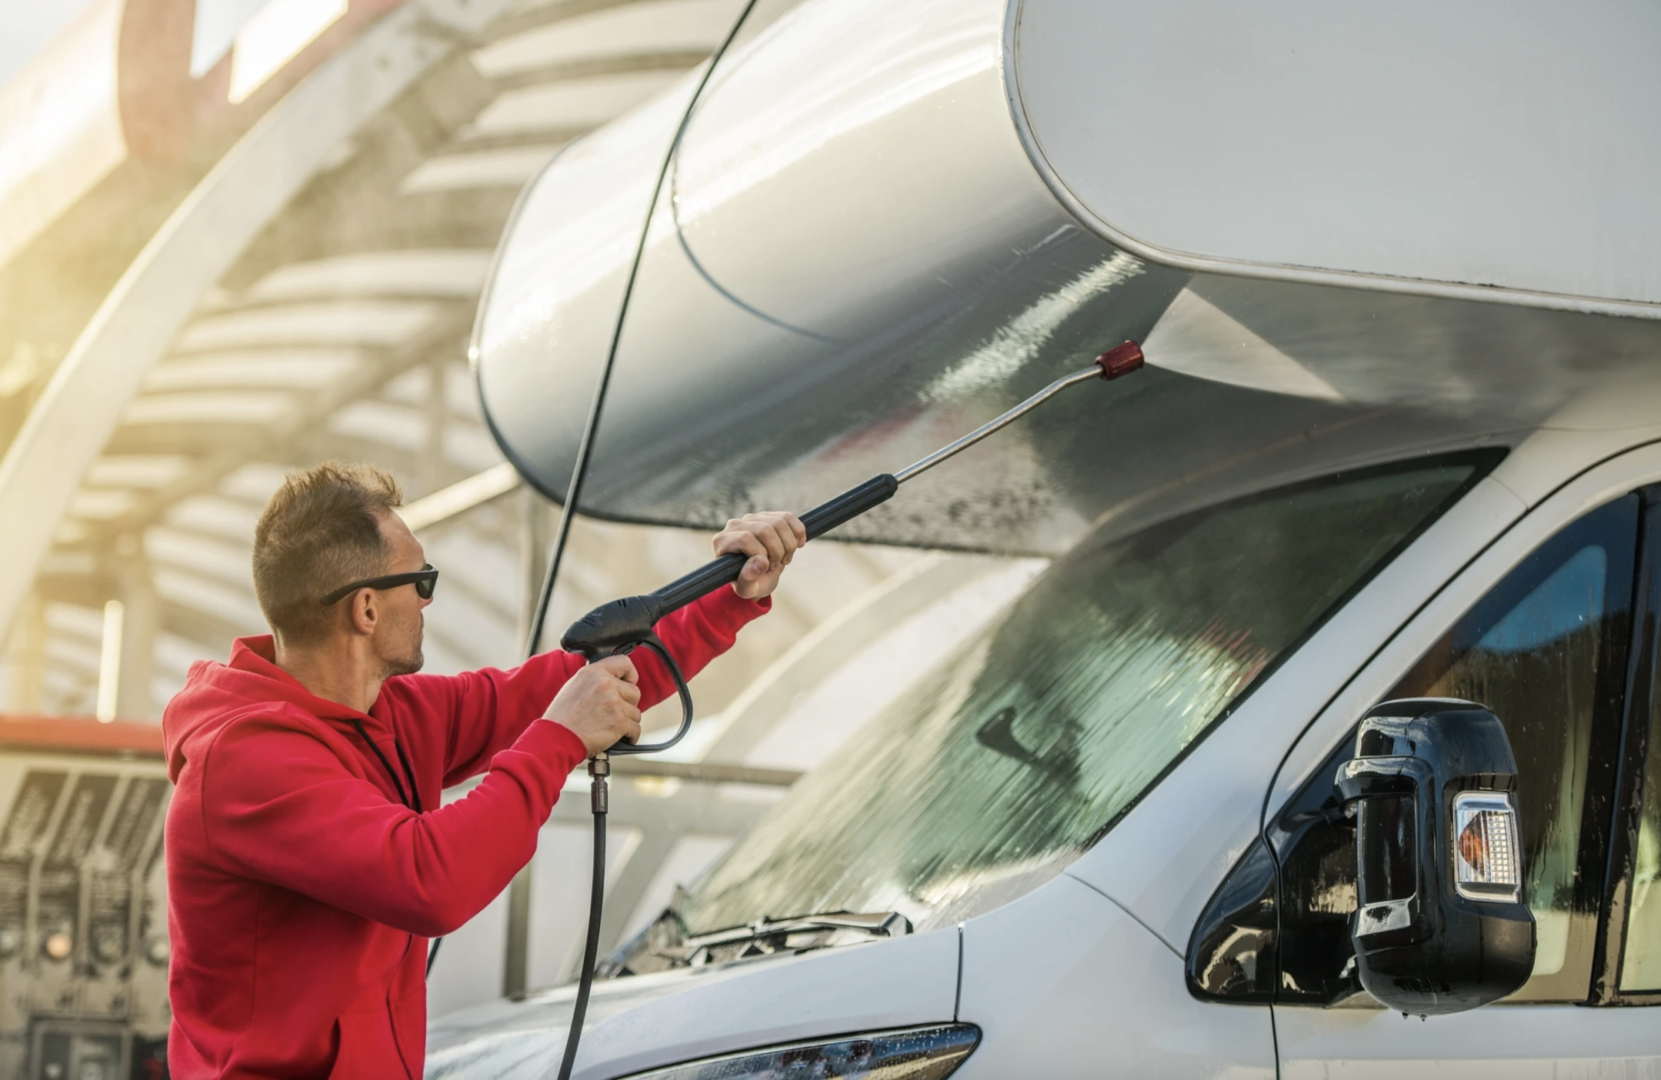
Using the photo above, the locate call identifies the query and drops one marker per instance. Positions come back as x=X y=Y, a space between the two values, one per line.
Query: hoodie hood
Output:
x=215 y=694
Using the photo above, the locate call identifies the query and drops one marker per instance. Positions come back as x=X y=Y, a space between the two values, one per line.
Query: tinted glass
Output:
x=1641 y=951
x=996 y=771
x=1546 y=652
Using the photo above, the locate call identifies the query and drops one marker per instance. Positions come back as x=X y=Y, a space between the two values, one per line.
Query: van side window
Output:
x=1546 y=651
x=1640 y=961
x=1641 y=952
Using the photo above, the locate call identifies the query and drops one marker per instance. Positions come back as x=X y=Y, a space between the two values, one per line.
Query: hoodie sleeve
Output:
x=281 y=805
x=482 y=712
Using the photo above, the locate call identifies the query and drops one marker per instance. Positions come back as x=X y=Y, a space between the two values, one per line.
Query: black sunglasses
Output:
x=425 y=581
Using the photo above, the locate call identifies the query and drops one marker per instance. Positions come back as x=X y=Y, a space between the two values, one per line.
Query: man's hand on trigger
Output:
x=600 y=703
x=770 y=538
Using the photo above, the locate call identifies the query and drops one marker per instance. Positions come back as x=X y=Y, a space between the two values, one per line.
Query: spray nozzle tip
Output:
x=1120 y=360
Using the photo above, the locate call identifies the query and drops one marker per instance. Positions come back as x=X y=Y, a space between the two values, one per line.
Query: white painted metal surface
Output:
x=1427 y=147
x=1064 y=983
x=651 y=1020
x=764 y=197
x=1498 y=1042
x=898 y=230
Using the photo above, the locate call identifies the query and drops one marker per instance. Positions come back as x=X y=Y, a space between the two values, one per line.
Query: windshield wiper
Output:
x=798 y=933
x=873 y=924
x=764 y=937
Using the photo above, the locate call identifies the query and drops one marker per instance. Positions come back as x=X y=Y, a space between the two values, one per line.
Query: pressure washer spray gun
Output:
x=621 y=626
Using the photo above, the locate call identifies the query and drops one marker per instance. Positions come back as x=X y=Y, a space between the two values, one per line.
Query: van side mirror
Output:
x=1440 y=924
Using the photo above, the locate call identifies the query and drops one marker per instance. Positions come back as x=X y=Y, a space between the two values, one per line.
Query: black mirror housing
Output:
x=1440 y=923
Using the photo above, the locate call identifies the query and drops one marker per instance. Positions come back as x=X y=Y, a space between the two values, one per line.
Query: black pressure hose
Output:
x=599 y=768
x=579 y=469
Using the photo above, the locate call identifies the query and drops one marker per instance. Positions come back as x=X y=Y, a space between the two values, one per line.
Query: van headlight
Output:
x=925 y=1053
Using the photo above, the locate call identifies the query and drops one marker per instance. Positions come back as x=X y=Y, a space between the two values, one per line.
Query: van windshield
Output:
x=998 y=769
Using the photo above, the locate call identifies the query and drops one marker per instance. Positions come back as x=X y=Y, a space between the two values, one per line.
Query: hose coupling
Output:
x=599 y=767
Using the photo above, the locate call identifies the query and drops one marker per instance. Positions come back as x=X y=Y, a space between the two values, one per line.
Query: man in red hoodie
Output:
x=309 y=858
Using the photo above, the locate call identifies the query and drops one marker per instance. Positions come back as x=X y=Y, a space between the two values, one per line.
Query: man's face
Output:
x=398 y=632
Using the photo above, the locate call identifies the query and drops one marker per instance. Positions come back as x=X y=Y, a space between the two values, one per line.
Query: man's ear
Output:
x=366 y=612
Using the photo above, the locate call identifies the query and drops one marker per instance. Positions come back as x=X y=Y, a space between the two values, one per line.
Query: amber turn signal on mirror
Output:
x=1486 y=858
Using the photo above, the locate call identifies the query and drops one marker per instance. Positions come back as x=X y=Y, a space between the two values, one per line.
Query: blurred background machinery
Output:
x=83 y=920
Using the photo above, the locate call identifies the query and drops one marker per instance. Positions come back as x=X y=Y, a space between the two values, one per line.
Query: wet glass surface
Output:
x=1641 y=954
x=1641 y=951
x=1232 y=955
x=1314 y=842
x=1545 y=651
x=992 y=774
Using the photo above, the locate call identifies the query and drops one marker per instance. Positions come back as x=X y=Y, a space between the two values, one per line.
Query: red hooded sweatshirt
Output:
x=302 y=886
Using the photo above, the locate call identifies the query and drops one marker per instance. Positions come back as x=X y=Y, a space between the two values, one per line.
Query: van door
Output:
x=1550 y=650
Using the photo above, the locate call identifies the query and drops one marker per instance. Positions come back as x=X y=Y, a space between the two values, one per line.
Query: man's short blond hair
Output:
x=321 y=530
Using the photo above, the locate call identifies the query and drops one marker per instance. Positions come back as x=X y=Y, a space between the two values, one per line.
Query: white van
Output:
x=1396 y=272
